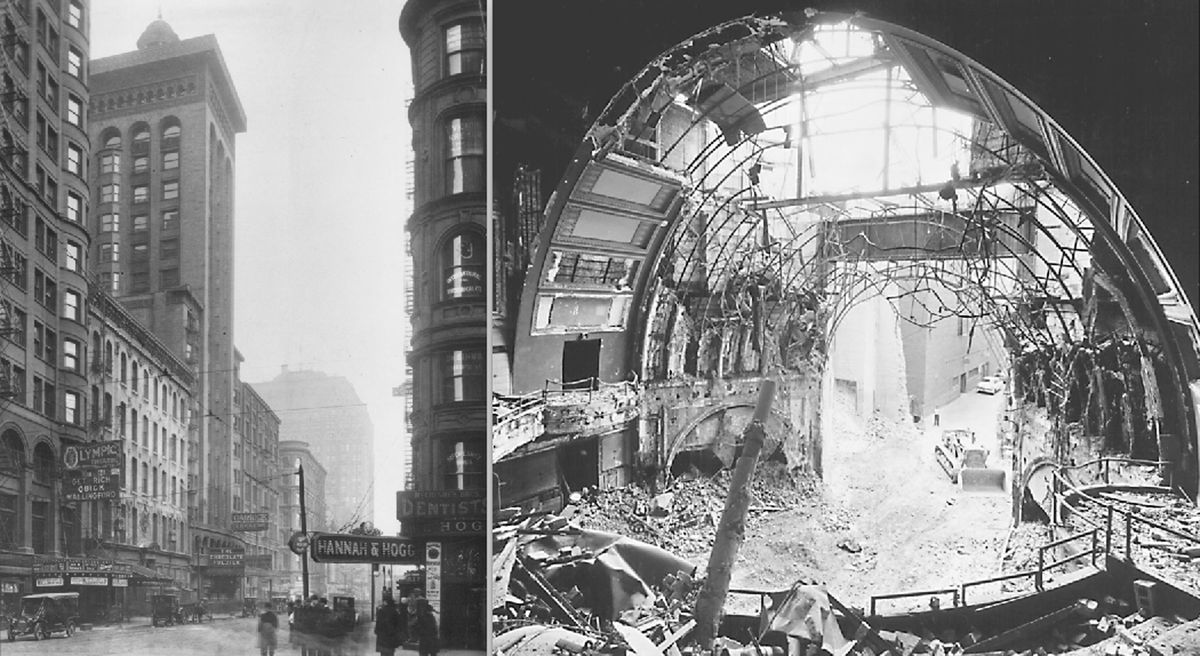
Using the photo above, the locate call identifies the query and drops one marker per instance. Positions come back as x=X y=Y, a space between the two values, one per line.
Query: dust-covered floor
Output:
x=884 y=519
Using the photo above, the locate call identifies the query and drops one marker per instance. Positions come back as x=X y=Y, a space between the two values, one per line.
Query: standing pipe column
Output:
x=304 y=530
x=732 y=529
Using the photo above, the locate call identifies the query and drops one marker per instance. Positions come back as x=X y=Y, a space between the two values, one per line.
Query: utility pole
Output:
x=303 y=530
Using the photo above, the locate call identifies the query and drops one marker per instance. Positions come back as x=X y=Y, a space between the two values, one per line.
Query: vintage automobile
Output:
x=165 y=610
x=249 y=606
x=328 y=621
x=343 y=610
x=45 y=613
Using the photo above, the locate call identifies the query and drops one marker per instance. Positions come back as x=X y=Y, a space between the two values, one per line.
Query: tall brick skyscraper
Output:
x=44 y=148
x=163 y=124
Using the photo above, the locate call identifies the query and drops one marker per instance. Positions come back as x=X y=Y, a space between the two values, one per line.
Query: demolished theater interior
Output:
x=723 y=217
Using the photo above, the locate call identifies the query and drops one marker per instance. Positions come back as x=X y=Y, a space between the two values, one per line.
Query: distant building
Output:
x=292 y=456
x=164 y=119
x=450 y=323
x=256 y=475
x=326 y=412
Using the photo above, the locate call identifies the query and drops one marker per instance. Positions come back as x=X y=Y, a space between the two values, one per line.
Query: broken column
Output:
x=732 y=529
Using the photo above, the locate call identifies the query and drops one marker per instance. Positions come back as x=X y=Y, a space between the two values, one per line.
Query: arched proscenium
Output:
x=708 y=195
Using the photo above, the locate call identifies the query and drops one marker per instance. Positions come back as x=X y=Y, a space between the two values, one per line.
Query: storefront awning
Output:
x=142 y=575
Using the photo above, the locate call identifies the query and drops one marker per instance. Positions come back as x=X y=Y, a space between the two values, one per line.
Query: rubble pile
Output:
x=1176 y=558
x=682 y=518
x=562 y=589
x=1021 y=553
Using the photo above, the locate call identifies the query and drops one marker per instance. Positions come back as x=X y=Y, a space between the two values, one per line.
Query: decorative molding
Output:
x=157 y=93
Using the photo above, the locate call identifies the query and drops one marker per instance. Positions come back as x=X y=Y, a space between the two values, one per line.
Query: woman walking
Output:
x=268 y=624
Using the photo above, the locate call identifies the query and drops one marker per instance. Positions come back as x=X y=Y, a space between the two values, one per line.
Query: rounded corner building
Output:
x=448 y=244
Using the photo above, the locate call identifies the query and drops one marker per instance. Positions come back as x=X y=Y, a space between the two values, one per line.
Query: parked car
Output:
x=990 y=385
x=45 y=613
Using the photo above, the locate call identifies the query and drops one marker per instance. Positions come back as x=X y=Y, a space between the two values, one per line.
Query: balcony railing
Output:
x=588 y=405
x=577 y=407
x=517 y=421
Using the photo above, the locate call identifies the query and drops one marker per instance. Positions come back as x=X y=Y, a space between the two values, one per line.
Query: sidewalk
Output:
x=139 y=622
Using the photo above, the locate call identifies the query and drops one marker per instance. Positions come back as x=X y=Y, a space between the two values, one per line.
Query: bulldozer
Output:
x=965 y=461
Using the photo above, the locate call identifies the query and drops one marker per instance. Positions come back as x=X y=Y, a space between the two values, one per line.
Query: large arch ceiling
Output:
x=771 y=173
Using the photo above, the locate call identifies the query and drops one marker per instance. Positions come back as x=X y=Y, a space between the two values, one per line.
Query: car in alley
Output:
x=990 y=385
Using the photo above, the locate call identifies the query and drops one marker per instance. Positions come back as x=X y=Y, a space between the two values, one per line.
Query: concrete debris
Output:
x=576 y=591
x=1170 y=553
x=660 y=506
x=849 y=544
x=692 y=507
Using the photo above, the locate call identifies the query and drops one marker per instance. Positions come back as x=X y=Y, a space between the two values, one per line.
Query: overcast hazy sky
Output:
x=320 y=206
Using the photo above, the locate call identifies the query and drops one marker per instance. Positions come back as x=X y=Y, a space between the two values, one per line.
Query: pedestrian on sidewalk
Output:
x=268 y=624
x=426 y=628
x=388 y=630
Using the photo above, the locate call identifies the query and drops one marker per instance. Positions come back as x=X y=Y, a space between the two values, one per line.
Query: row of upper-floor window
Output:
x=43 y=396
x=111 y=192
x=169 y=128
x=168 y=250
x=17 y=103
x=140 y=224
x=68 y=354
x=148 y=528
x=74 y=8
x=18 y=58
x=154 y=439
x=14 y=269
x=45 y=183
x=110 y=162
x=151 y=477
x=167 y=397
x=14 y=265
x=139 y=283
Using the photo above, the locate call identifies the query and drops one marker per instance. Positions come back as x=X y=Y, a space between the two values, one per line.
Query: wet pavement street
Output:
x=222 y=637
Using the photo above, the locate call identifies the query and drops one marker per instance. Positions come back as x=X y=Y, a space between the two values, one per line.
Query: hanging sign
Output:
x=345 y=548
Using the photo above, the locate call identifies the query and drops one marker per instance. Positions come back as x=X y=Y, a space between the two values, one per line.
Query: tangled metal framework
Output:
x=804 y=163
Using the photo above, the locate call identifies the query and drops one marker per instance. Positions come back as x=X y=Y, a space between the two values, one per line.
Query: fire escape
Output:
x=14 y=103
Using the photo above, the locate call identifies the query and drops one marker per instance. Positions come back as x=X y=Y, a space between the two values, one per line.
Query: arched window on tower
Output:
x=141 y=139
x=463 y=265
x=169 y=145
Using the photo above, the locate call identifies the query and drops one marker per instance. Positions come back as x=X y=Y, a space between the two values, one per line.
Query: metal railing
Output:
x=1059 y=483
x=956 y=592
x=1040 y=575
x=959 y=592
